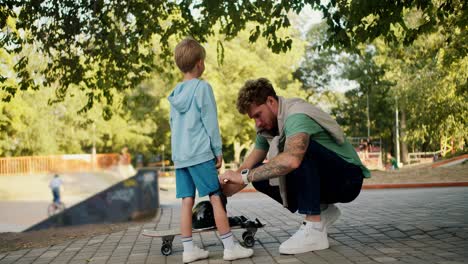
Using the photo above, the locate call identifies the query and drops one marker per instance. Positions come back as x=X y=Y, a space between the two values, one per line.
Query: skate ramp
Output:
x=131 y=199
x=451 y=162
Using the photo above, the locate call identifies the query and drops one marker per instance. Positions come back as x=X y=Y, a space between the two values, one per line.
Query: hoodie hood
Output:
x=182 y=96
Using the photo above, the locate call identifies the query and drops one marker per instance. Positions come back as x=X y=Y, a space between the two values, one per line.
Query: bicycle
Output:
x=55 y=208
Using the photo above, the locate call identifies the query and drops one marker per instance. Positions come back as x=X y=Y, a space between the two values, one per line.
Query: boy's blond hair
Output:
x=187 y=53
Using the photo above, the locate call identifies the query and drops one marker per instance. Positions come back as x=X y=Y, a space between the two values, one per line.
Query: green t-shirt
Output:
x=301 y=123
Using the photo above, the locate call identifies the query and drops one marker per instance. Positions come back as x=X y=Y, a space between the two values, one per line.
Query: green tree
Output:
x=427 y=76
x=322 y=65
x=431 y=91
x=99 y=45
x=244 y=61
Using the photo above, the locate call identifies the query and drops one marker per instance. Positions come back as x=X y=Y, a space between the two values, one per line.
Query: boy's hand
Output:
x=219 y=161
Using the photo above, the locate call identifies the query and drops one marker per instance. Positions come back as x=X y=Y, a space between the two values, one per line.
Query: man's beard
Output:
x=274 y=131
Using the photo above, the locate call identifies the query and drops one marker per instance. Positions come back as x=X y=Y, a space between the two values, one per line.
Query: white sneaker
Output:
x=196 y=254
x=330 y=215
x=237 y=252
x=309 y=237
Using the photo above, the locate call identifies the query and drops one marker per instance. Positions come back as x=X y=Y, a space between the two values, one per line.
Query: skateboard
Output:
x=237 y=222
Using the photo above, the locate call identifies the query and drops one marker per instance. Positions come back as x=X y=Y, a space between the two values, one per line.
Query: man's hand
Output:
x=230 y=176
x=219 y=161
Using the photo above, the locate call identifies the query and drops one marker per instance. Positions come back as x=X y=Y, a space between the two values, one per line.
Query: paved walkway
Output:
x=381 y=226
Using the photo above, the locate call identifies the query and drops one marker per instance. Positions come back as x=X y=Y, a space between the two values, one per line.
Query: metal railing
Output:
x=372 y=160
x=422 y=157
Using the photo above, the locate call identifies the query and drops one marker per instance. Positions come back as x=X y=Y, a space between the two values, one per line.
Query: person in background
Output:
x=125 y=164
x=55 y=185
x=364 y=149
x=393 y=164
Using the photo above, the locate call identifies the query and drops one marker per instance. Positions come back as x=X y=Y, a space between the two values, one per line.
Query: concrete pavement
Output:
x=381 y=226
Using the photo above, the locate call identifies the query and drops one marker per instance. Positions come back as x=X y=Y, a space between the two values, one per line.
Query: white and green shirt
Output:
x=301 y=123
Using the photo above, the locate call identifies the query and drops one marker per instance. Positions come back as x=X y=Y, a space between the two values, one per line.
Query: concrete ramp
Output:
x=130 y=199
x=451 y=162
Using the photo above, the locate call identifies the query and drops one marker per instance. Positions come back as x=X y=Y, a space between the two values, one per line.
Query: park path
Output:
x=380 y=226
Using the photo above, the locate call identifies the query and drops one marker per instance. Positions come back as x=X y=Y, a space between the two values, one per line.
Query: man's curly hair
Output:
x=254 y=92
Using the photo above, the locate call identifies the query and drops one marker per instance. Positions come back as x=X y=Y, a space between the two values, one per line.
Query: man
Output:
x=310 y=164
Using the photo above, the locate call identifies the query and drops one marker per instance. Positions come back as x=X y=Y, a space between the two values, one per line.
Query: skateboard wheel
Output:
x=248 y=238
x=166 y=249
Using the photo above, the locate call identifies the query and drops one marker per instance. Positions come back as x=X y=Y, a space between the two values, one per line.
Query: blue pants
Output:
x=56 y=194
x=322 y=178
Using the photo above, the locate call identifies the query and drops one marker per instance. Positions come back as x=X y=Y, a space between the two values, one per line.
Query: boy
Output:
x=55 y=185
x=196 y=150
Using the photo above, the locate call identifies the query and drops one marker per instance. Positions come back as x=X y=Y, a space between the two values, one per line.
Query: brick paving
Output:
x=381 y=226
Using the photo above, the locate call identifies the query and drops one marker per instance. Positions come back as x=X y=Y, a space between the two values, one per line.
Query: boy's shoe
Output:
x=330 y=215
x=196 y=254
x=237 y=252
x=309 y=237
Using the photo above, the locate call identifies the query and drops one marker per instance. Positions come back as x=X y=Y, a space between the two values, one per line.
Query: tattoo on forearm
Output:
x=295 y=148
x=297 y=145
x=274 y=168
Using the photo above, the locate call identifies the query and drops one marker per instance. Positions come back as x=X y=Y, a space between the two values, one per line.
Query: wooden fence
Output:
x=56 y=163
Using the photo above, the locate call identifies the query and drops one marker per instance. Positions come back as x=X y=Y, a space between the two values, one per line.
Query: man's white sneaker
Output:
x=330 y=215
x=237 y=252
x=309 y=237
x=196 y=254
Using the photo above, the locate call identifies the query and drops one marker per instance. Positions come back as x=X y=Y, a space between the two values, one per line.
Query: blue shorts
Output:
x=203 y=177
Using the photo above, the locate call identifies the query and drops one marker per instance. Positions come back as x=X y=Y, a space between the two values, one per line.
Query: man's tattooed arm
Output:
x=294 y=151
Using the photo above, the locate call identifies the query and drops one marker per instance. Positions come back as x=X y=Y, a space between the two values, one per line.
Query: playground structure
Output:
x=373 y=157
x=451 y=145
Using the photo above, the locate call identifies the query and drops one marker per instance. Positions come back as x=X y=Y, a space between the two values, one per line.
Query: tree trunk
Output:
x=238 y=148
x=237 y=152
x=403 y=144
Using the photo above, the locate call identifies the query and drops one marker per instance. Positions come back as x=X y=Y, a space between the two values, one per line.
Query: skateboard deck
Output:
x=168 y=236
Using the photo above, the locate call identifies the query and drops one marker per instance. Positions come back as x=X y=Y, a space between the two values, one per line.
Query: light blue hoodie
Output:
x=195 y=134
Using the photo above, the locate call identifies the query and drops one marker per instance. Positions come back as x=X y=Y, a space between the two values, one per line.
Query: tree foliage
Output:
x=112 y=62
x=97 y=46
x=237 y=130
x=426 y=80
x=30 y=126
x=430 y=90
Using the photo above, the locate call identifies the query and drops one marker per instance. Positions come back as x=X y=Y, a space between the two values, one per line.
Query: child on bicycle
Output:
x=197 y=150
x=55 y=185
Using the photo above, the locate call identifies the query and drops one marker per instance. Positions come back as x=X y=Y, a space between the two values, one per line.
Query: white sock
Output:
x=187 y=242
x=228 y=240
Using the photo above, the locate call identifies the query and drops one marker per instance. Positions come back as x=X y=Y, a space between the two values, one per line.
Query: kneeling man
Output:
x=310 y=164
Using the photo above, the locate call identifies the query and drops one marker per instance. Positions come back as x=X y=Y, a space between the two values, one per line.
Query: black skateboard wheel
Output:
x=248 y=238
x=166 y=249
